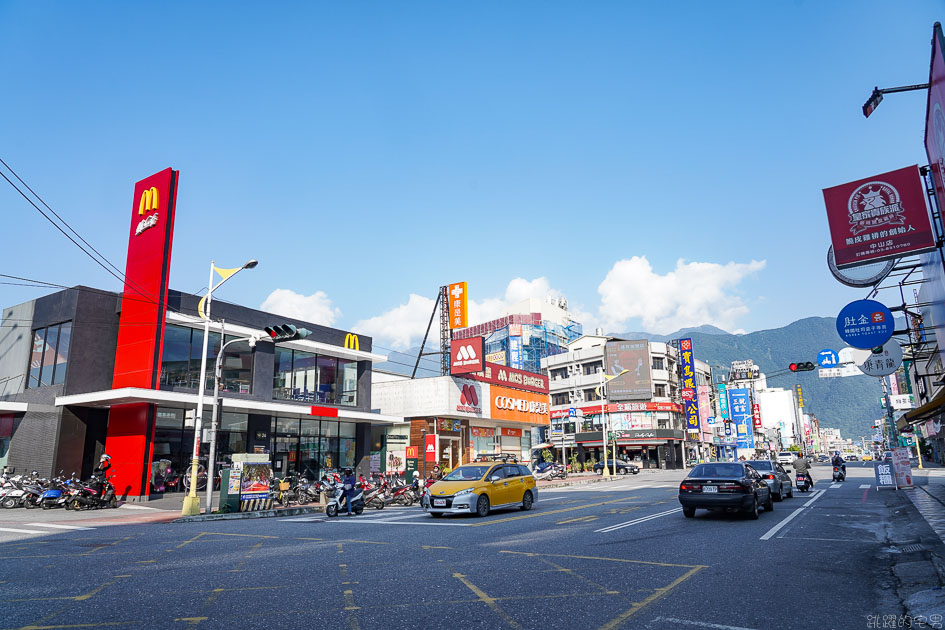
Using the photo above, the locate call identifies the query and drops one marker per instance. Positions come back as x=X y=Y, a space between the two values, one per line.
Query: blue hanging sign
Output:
x=865 y=324
x=827 y=358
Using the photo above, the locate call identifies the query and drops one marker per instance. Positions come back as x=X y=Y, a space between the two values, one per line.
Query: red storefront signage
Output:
x=324 y=412
x=879 y=217
x=511 y=432
x=467 y=356
x=482 y=432
x=512 y=377
x=411 y=452
x=756 y=415
x=141 y=329
x=429 y=448
x=620 y=408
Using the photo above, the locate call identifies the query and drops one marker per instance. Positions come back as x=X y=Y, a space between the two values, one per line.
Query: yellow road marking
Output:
x=488 y=601
x=433 y=547
x=341 y=548
x=343 y=568
x=145 y=561
x=82 y=625
x=561 y=555
x=240 y=535
x=63 y=555
x=658 y=594
x=578 y=519
x=349 y=601
x=310 y=539
x=187 y=542
x=581 y=577
x=191 y=621
x=537 y=514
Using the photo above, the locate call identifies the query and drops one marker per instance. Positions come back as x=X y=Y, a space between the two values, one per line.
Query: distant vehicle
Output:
x=867 y=457
x=786 y=457
x=852 y=458
x=776 y=477
x=823 y=458
x=623 y=467
x=725 y=486
x=887 y=456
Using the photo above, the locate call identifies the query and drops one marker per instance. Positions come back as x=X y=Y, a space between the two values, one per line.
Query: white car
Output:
x=786 y=457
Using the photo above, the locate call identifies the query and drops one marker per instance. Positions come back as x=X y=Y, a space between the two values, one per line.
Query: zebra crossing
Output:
x=390 y=515
x=20 y=531
x=615 y=486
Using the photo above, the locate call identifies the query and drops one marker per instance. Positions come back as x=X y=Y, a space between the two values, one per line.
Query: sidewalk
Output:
x=918 y=544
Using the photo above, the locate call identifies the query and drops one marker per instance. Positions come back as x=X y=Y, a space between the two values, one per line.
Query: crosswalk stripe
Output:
x=836 y=485
x=57 y=526
x=865 y=485
x=21 y=531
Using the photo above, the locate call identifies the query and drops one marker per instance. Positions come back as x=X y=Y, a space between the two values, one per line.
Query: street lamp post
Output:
x=191 y=505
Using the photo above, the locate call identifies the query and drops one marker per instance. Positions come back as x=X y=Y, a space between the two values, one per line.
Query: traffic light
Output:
x=805 y=366
x=287 y=332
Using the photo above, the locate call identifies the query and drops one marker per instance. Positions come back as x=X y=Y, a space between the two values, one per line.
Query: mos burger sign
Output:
x=467 y=355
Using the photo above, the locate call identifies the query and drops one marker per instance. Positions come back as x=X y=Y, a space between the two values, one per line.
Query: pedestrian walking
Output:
x=349 y=488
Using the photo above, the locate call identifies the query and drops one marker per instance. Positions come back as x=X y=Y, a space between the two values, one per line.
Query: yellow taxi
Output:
x=867 y=457
x=480 y=487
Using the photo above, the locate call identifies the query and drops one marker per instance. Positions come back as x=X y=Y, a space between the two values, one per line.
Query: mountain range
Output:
x=850 y=404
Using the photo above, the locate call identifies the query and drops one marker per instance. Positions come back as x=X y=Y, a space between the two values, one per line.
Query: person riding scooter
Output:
x=838 y=462
x=802 y=467
x=350 y=489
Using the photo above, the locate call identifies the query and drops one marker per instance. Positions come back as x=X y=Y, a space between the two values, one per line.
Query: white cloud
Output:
x=315 y=308
x=402 y=326
x=694 y=293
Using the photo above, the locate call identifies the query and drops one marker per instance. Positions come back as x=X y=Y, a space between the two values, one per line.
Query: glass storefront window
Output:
x=347 y=382
x=230 y=421
x=196 y=347
x=282 y=374
x=346 y=442
x=236 y=374
x=176 y=356
x=50 y=355
x=308 y=448
x=328 y=447
x=303 y=369
x=327 y=374
x=286 y=426
x=62 y=353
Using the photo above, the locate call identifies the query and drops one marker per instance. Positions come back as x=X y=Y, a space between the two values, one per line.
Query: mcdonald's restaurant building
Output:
x=85 y=371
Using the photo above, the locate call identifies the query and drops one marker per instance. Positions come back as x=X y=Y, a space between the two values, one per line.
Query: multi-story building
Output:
x=644 y=413
x=531 y=331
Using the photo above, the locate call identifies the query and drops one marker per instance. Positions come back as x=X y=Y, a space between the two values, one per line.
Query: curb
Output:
x=235 y=516
x=581 y=482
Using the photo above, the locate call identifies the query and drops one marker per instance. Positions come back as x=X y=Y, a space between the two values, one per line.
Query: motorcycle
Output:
x=838 y=474
x=374 y=495
x=337 y=499
x=93 y=494
x=803 y=482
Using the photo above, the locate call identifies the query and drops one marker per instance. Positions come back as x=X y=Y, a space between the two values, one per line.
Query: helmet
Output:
x=105 y=456
x=416 y=473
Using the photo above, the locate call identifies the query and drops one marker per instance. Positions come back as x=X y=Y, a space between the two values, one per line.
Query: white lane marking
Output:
x=865 y=485
x=56 y=526
x=774 y=530
x=302 y=519
x=701 y=624
x=636 y=521
x=354 y=519
x=21 y=531
x=835 y=485
x=128 y=506
x=552 y=498
x=816 y=496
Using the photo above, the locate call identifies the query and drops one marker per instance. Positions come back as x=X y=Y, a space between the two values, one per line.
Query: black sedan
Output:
x=623 y=467
x=732 y=486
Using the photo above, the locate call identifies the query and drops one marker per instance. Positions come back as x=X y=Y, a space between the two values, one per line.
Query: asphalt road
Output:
x=615 y=555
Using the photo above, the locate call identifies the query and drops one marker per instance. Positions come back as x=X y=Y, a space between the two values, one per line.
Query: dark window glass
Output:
x=523 y=471
x=559 y=373
x=657 y=363
x=196 y=347
x=591 y=394
x=328 y=447
x=707 y=471
x=234 y=421
x=175 y=359
x=237 y=372
x=286 y=426
x=761 y=465
x=512 y=471
x=282 y=374
x=591 y=368
x=62 y=352
x=498 y=471
x=327 y=377
x=559 y=399
x=347 y=382
x=36 y=358
x=304 y=383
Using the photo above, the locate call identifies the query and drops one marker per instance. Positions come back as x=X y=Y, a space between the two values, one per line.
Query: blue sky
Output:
x=367 y=153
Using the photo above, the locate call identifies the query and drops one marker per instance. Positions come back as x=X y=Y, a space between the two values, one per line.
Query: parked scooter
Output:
x=92 y=495
x=336 y=500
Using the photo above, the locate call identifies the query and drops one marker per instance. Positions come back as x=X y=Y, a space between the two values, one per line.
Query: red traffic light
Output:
x=793 y=367
x=802 y=366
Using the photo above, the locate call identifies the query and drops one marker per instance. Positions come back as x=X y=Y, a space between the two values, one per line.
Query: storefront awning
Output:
x=7 y=406
x=128 y=395
x=924 y=412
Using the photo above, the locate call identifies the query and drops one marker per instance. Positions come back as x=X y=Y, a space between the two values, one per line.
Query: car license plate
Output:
x=439 y=502
x=710 y=489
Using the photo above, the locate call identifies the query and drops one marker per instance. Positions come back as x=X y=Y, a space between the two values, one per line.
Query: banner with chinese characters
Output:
x=723 y=402
x=740 y=408
x=688 y=385
x=457 y=305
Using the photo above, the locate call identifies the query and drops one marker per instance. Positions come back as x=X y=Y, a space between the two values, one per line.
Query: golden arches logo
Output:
x=150 y=200
x=351 y=342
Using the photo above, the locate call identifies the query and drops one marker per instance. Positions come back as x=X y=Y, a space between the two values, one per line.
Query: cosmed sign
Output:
x=865 y=324
x=880 y=217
